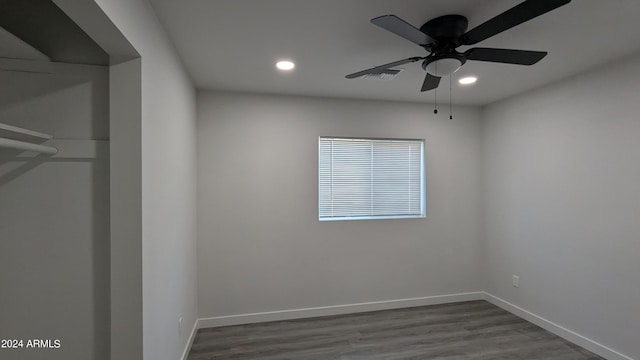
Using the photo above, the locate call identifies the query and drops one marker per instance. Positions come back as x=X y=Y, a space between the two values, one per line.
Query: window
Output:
x=370 y=179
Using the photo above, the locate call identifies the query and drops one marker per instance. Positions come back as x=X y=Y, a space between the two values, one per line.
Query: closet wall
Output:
x=54 y=214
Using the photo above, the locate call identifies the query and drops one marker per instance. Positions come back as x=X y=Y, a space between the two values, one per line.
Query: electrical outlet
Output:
x=516 y=281
x=180 y=326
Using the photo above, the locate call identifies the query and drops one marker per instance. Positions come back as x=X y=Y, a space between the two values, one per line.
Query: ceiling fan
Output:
x=441 y=36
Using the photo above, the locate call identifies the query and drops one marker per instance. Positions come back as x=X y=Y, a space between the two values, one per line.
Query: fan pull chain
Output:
x=435 y=101
x=450 y=101
x=435 y=94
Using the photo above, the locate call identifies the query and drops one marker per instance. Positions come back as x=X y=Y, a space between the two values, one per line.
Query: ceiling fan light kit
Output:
x=444 y=66
x=441 y=36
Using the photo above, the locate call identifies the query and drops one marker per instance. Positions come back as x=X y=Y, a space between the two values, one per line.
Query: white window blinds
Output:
x=370 y=178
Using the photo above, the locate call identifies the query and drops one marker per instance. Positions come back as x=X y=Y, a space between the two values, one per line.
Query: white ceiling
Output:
x=234 y=44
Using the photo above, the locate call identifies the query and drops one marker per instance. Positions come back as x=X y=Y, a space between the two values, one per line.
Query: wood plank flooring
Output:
x=469 y=330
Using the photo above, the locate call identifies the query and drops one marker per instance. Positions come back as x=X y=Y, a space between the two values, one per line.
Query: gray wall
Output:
x=260 y=244
x=168 y=182
x=126 y=209
x=54 y=217
x=561 y=176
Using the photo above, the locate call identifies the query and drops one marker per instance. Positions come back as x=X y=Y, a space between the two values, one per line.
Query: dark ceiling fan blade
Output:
x=402 y=28
x=508 y=56
x=430 y=82
x=515 y=16
x=378 y=69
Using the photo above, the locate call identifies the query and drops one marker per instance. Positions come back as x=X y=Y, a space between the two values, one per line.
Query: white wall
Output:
x=54 y=216
x=260 y=244
x=561 y=178
x=168 y=182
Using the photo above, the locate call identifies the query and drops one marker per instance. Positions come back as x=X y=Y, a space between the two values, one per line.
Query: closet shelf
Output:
x=27 y=146
x=57 y=148
x=66 y=149
x=24 y=145
x=17 y=130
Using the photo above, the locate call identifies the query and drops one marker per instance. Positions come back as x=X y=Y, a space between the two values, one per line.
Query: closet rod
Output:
x=22 y=145
x=18 y=130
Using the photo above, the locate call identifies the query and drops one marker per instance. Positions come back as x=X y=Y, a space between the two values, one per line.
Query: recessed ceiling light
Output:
x=468 y=80
x=285 y=65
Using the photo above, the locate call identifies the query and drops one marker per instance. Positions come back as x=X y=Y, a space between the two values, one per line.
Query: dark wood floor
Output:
x=469 y=330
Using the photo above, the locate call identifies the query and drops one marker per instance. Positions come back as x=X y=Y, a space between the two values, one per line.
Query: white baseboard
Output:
x=192 y=337
x=561 y=331
x=335 y=310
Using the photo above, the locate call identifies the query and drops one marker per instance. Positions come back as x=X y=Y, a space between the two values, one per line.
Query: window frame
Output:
x=423 y=181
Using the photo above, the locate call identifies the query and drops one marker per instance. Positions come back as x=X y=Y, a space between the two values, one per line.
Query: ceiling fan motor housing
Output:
x=446 y=27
